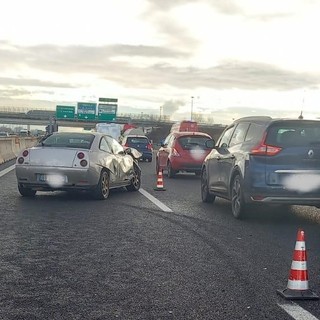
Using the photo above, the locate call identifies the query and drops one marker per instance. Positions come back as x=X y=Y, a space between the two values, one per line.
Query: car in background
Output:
x=71 y=161
x=183 y=152
x=4 y=134
x=260 y=160
x=140 y=143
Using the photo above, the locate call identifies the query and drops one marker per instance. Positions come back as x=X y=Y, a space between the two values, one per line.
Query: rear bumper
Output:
x=146 y=155
x=81 y=179
x=179 y=164
x=287 y=200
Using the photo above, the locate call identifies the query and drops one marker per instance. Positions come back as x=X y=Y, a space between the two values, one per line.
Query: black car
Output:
x=260 y=160
x=140 y=143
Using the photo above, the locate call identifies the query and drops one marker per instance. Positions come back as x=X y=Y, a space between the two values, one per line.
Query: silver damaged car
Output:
x=69 y=161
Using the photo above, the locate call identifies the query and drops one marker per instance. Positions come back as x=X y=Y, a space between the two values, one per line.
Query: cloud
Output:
x=111 y=63
x=170 y=107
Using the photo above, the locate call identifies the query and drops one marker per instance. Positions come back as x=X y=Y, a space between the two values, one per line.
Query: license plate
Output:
x=52 y=178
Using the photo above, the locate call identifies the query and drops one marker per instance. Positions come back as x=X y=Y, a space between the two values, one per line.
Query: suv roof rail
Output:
x=255 y=118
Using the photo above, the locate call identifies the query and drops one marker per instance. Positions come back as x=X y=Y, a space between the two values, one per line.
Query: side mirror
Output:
x=210 y=144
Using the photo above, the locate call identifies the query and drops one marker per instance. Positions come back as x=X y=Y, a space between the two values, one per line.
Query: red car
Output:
x=183 y=151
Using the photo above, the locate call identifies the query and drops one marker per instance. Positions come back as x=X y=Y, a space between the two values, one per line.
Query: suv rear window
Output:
x=190 y=142
x=137 y=140
x=295 y=134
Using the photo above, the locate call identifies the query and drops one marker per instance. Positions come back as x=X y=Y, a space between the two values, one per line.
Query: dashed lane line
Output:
x=7 y=170
x=296 y=312
x=158 y=203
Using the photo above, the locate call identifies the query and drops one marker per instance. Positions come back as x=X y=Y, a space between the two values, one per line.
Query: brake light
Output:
x=80 y=155
x=175 y=153
x=149 y=146
x=25 y=153
x=263 y=149
x=126 y=144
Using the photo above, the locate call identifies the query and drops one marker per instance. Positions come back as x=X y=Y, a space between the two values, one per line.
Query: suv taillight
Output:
x=149 y=146
x=263 y=149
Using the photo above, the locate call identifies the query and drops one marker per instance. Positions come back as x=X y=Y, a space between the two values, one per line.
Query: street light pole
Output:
x=191 y=107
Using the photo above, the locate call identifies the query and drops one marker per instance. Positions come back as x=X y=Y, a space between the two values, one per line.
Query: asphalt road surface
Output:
x=148 y=255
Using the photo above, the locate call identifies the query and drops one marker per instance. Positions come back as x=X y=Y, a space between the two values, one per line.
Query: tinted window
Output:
x=226 y=137
x=67 y=140
x=136 y=140
x=239 y=133
x=104 y=145
x=294 y=134
x=190 y=142
x=254 y=132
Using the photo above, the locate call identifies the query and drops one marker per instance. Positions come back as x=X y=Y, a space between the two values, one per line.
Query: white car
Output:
x=94 y=162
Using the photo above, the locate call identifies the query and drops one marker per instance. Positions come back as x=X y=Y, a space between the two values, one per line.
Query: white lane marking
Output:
x=158 y=203
x=7 y=170
x=296 y=312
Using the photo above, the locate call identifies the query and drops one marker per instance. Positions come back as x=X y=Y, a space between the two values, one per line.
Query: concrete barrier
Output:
x=11 y=146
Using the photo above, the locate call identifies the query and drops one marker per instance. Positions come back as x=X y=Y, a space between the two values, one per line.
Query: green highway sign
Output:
x=108 y=100
x=65 y=112
x=107 y=112
x=86 y=110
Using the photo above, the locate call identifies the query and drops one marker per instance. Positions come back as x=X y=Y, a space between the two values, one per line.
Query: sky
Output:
x=223 y=59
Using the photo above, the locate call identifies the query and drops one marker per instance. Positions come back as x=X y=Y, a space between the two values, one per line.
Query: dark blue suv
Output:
x=141 y=143
x=260 y=160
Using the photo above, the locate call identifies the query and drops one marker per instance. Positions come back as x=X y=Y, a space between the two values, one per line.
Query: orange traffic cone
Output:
x=160 y=186
x=298 y=282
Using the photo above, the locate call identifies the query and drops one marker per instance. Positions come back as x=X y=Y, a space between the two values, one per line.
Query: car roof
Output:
x=76 y=133
x=190 y=133
x=268 y=120
x=135 y=136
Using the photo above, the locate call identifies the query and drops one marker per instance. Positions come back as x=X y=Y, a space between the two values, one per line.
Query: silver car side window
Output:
x=104 y=146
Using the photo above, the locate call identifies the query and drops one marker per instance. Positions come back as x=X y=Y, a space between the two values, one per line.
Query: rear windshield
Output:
x=136 y=140
x=65 y=140
x=295 y=134
x=191 y=142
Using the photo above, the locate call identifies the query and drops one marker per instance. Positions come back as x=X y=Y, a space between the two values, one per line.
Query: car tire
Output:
x=26 y=192
x=171 y=172
x=238 y=204
x=135 y=181
x=102 y=189
x=205 y=195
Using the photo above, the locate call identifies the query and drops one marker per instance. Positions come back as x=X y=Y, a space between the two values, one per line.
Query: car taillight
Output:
x=83 y=163
x=126 y=144
x=25 y=153
x=149 y=146
x=175 y=153
x=80 y=155
x=265 y=150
